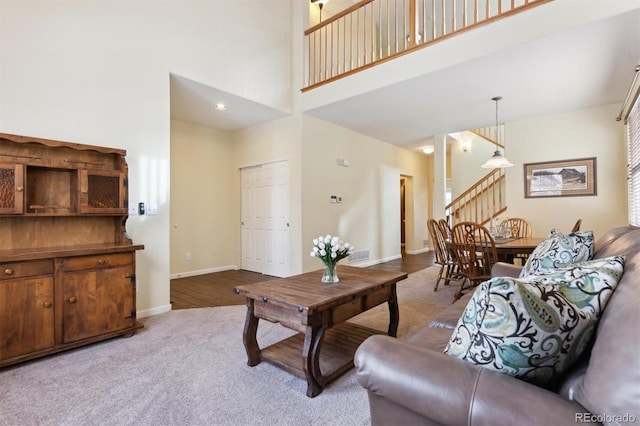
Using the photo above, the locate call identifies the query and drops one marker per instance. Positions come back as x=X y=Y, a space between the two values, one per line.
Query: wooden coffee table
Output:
x=324 y=347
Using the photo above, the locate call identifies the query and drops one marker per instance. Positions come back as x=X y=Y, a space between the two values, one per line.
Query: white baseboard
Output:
x=204 y=271
x=422 y=250
x=153 y=311
x=373 y=262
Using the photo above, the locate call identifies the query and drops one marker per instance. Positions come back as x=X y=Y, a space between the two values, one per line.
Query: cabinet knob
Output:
x=20 y=189
x=101 y=262
x=8 y=271
x=71 y=299
x=47 y=304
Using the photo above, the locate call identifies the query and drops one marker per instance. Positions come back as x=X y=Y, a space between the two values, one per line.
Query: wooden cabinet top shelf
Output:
x=16 y=255
x=62 y=144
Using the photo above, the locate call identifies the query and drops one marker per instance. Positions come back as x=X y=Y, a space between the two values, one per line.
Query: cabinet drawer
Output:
x=26 y=269
x=100 y=261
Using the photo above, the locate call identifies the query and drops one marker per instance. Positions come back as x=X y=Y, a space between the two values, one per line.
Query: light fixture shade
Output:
x=497 y=161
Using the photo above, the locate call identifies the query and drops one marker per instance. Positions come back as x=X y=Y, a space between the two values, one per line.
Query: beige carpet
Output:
x=188 y=367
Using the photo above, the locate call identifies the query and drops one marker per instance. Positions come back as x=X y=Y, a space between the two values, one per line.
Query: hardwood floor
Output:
x=217 y=289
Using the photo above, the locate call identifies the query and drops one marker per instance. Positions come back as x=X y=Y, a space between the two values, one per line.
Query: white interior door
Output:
x=265 y=218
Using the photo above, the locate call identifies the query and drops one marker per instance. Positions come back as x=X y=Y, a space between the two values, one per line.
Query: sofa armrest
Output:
x=503 y=269
x=447 y=390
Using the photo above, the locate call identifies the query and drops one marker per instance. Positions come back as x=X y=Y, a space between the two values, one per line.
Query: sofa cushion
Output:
x=448 y=318
x=433 y=338
x=606 y=245
x=533 y=328
x=611 y=385
x=559 y=250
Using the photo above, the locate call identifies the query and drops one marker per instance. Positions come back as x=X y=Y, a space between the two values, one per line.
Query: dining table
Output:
x=508 y=248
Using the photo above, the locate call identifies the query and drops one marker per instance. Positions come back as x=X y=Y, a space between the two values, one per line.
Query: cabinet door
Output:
x=97 y=302
x=26 y=316
x=11 y=188
x=103 y=191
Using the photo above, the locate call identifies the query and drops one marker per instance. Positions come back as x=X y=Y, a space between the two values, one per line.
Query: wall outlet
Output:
x=133 y=210
x=152 y=209
x=187 y=257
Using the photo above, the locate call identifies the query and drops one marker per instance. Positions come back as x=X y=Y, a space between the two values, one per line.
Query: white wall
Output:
x=274 y=141
x=204 y=204
x=369 y=215
x=97 y=72
x=577 y=134
x=466 y=166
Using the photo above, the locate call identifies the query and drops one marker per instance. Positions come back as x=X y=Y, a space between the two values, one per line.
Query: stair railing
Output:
x=485 y=199
x=374 y=31
x=491 y=134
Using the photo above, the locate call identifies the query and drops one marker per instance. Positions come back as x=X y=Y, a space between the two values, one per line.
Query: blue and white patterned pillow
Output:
x=559 y=250
x=535 y=328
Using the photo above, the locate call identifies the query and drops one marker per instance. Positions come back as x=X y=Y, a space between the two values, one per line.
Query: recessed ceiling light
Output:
x=220 y=106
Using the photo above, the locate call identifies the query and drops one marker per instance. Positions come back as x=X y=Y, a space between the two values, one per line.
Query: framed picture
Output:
x=560 y=178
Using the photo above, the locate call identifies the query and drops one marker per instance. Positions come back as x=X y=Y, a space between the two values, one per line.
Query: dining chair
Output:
x=475 y=251
x=518 y=227
x=448 y=265
x=576 y=227
x=446 y=228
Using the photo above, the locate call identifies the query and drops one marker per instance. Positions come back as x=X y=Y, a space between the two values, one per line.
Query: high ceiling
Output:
x=580 y=68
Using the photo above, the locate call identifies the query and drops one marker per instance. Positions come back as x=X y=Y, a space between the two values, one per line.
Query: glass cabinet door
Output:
x=102 y=192
x=11 y=188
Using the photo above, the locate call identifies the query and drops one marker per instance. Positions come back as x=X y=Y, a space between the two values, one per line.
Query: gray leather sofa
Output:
x=414 y=383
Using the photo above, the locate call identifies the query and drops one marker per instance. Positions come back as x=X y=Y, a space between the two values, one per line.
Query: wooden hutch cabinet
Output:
x=67 y=265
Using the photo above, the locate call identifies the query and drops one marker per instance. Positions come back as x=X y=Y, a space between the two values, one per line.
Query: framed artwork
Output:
x=560 y=178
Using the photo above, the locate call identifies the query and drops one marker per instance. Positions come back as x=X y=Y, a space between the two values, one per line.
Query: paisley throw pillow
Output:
x=535 y=328
x=559 y=250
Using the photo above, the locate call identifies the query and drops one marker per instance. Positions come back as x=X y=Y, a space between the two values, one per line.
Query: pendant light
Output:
x=497 y=161
x=320 y=3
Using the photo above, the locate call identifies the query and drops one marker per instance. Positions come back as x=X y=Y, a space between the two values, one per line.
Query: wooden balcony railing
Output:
x=480 y=202
x=374 y=31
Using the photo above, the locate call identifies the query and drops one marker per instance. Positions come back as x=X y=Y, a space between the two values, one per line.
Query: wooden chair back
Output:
x=475 y=250
x=519 y=227
x=576 y=227
x=446 y=228
x=444 y=257
x=439 y=244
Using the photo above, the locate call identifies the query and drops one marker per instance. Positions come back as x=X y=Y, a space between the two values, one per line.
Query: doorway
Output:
x=403 y=213
x=406 y=215
x=265 y=218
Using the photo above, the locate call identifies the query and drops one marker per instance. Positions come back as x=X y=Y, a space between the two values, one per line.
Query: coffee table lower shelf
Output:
x=336 y=356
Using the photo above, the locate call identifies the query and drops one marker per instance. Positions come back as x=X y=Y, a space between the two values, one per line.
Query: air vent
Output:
x=359 y=255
